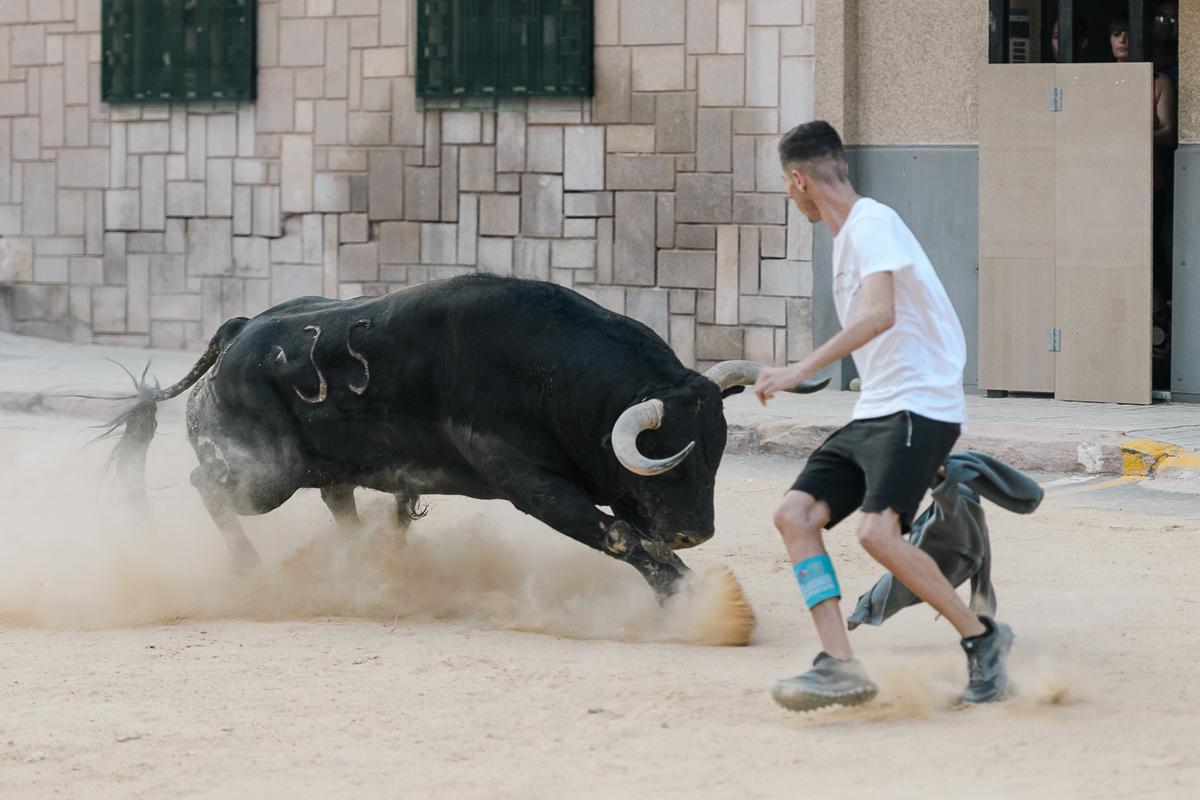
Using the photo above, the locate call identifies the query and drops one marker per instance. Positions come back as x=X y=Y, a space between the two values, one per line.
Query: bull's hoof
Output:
x=245 y=561
x=729 y=620
x=666 y=586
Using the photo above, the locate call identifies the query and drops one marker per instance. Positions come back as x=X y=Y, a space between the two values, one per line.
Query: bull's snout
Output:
x=686 y=539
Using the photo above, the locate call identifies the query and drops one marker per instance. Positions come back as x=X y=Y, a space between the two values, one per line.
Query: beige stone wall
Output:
x=835 y=88
x=897 y=72
x=919 y=71
x=660 y=198
x=1189 y=71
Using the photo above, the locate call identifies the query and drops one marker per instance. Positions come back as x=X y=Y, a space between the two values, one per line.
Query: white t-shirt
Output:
x=917 y=365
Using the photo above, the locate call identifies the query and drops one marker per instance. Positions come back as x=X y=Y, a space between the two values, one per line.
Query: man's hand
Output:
x=875 y=314
x=779 y=379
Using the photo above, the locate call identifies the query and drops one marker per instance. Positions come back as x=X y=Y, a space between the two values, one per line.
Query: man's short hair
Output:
x=816 y=148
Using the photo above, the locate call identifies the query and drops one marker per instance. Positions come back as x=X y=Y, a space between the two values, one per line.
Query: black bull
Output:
x=479 y=386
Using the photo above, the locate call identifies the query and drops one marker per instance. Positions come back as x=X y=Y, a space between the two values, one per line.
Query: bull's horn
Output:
x=728 y=374
x=645 y=416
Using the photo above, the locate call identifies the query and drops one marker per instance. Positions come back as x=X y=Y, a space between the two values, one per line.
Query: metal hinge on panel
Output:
x=1056 y=99
x=1055 y=340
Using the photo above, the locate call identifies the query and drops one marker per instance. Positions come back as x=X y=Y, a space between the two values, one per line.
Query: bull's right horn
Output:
x=728 y=374
x=645 y=416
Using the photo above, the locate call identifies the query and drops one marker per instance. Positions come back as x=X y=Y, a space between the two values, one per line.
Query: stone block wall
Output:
x=661 y=197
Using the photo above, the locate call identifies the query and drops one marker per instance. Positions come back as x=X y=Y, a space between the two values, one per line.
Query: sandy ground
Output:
x=491 y=657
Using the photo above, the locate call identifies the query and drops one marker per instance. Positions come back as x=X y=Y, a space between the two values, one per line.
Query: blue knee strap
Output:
x=818 y=581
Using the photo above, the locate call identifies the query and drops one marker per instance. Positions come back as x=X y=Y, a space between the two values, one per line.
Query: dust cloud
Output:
x=74 y=555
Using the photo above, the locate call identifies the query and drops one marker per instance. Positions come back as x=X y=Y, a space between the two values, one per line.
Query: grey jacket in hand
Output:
x=953 y=531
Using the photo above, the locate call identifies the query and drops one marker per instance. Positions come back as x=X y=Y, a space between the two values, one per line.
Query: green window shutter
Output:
x=504 y=48
x=178 y=50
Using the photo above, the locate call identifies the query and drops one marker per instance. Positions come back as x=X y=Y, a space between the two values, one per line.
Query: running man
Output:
x=909 y=349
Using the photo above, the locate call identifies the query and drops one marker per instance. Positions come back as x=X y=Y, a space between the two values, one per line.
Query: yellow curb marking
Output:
x=1147 y=457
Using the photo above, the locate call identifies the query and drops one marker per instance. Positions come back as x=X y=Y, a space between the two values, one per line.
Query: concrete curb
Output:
x=1030 y=449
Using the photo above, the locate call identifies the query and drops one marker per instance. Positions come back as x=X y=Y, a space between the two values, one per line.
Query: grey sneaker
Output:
x=988 y=679
x=831 y=681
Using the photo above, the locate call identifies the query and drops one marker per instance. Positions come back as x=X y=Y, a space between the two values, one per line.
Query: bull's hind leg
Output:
x=220 y=507
x=408 y=510
x=340 y=500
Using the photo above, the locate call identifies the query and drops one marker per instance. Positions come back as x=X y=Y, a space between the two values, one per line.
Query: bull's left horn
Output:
x=645 y=416
x=728 y=374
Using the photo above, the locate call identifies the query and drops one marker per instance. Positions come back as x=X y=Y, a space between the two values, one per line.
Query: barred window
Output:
x=504 y=48
x=178 y=50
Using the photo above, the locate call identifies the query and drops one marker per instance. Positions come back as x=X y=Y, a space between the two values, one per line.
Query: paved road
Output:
x=492 y=657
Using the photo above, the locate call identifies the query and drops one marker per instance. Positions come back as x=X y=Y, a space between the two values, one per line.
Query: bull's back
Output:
x=424 y=373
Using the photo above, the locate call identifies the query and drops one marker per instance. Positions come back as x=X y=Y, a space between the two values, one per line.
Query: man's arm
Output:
x=877 y=314
x=1166 y=114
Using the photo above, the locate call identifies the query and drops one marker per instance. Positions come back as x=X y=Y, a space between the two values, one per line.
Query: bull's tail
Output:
x=137 y=424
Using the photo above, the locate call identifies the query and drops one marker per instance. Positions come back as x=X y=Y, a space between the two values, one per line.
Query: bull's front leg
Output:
x=659 y=565
x=562 y=506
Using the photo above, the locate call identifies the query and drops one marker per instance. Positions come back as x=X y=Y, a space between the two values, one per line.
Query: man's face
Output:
x=1166 y=22
x=798 y=186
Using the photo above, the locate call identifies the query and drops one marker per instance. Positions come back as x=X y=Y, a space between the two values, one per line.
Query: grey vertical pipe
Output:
x=1049 y=13
x=1137 y=30
x=1066 y=31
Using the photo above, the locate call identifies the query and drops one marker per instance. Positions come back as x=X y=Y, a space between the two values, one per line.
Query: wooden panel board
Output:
x=1016 y=161
x=1103 y=224
x=1017 y=195
x=1015 y=332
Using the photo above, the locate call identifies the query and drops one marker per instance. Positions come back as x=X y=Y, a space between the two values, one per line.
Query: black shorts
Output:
x=876 y=464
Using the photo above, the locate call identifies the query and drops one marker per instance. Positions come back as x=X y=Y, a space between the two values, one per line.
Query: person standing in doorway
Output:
x=909 y=348
x=1164 y=44
x=1080 y=37
x=1164 y=39
x=1118 y=37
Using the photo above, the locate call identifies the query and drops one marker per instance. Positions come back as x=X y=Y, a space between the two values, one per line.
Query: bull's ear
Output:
x=606 y=442
x=732 y=390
